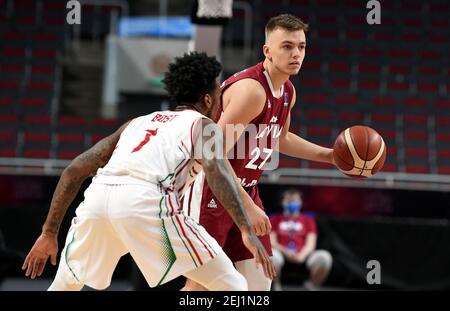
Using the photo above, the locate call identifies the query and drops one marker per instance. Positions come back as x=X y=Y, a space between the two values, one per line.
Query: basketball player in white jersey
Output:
x=133 y=203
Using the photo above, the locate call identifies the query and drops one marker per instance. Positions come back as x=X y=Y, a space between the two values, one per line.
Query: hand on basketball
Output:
x=259 y=220
x=254 y=245
x=44 y=247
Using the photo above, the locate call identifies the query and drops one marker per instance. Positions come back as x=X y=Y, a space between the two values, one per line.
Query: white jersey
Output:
x=157 y=149
x=134 y=205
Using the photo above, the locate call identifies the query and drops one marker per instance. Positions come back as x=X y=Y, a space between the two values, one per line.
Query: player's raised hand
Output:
x=254 y=245
x=258 y=220
x=45 y=246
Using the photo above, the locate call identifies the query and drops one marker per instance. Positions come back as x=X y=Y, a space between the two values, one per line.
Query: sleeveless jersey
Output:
x=267 y=128
x=249 y=157
x=134 y=202
x=263 y=132
x=156 y=149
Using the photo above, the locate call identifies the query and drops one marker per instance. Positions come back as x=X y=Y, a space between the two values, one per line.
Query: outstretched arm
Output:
x=83 y=166
x=295 y=146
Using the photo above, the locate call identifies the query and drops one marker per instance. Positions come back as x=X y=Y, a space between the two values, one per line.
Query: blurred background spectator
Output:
x=294 y=241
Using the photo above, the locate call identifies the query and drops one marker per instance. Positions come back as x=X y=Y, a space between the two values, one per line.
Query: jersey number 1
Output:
x=149 y=133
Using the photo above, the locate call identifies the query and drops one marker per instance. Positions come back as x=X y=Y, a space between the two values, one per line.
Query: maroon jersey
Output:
x=262 y=133
x=292 y=231
x=258 y=145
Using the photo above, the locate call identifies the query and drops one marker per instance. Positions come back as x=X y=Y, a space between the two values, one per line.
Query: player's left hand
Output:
x=255 y=246
x=45 y=246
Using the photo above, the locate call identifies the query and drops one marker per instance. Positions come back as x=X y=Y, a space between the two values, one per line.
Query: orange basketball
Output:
x=359 y=151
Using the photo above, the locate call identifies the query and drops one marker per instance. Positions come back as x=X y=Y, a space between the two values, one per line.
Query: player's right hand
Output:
x=258 y=220
x=254 y=245
x=45 y=246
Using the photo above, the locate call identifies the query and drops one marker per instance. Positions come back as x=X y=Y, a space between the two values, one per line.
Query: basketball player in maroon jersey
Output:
x=259 y=95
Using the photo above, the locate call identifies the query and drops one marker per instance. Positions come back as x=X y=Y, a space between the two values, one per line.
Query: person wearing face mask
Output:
x=294 y=239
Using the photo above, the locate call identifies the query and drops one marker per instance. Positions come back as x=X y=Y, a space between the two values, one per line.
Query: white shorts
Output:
x=116 y=219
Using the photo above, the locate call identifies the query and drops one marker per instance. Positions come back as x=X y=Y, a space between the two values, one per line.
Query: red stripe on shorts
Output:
x=201 y=241
x=189 y=241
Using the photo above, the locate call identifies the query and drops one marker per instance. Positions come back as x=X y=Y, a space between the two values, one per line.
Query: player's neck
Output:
x=189 y=107
x=276 y=77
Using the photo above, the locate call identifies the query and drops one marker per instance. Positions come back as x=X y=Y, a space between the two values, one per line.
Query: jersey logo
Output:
x=269 y=104
x=265 y=131
x=244 y=182
x=274 y=119
x=212 y=204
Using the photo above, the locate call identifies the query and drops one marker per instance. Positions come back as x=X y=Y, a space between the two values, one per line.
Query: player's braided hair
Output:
x=191 y=76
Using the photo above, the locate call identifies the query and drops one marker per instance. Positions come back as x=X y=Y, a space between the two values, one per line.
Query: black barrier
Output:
x=412 y=252
x=408 y=254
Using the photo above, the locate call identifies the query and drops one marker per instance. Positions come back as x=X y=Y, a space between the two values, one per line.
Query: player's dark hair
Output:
x=191 y=76
x=288 y=22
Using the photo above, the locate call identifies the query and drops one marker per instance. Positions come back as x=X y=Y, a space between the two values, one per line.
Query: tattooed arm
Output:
x=83 y=166
x=223 y=183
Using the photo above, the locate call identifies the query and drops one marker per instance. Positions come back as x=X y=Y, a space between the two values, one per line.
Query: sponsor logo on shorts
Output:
x=212 y=204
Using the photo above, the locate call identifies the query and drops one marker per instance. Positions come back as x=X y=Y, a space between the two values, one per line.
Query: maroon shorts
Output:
x=218 y=222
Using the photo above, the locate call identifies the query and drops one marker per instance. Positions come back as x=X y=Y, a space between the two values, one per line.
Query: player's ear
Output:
x=208 y=100
x=266 y=52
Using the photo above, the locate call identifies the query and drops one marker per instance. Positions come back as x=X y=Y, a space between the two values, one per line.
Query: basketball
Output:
x=359 y=151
